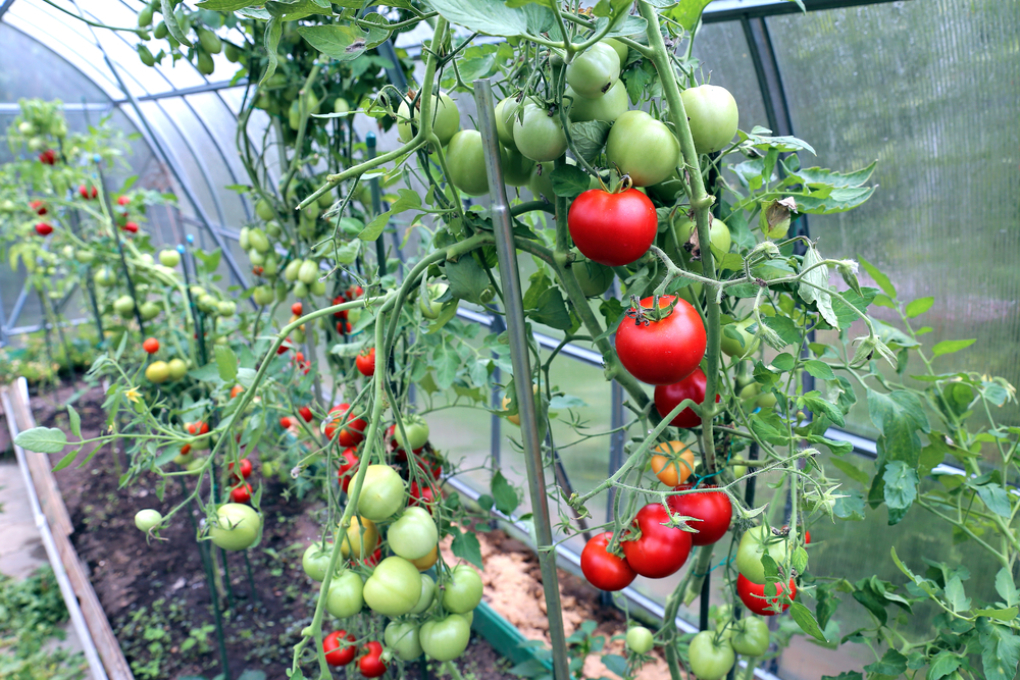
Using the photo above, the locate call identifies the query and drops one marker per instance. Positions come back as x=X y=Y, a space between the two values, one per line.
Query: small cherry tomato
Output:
x=305 y=413
x=285 y=422
x=337 y=648
x=371 y=664
x=235 y=391
x=123 y=200
x=241 y=493
x=43 y=229
x=296 y=309
x=366 y=362
x=245 y=468
x=130 y=227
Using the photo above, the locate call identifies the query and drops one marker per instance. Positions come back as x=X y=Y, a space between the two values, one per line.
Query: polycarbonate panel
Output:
x=931 y=90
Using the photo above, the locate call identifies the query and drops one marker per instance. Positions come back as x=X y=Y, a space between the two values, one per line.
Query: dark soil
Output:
x=156 y=596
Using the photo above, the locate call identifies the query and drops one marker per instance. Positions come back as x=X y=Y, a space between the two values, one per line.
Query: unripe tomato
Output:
x=622 y=51
x=371 y=664
x=753 y=596
x=711 y=656
x=639 y=640
x=308 y=272
x=157 y=372
x=445 y=121
x=169 y=258
x=345 y=597
x=753 y=545
x=464 y=591
x=744 y=344
x=427 y=562
x=539 y=135
x=393 y=588
x=365 y=362
x=417 y=431
x=465 y=159
x=516 y=168
x=147 y=519
x=608 y=107
x=429 y=307
x=505 y=122
x=402 y=638
x=593 y=72
x=750 y=636
x=713 y=508
x=594 y=278
x=719 y=235
x=445 y=639
x=660 y=550
x=414 y=534
x=178 y=369
x=124 y=306
x=237 y=527
x=673 y=463
x=643 y=148
x=382 y=493
x=361 y=539
x=428 y=591
x=712 y=114
x=150 y=310
x=339 y=648
x=604 y=570
x=315 y=560
x=665 y=351
x=612 y=229
x=264 y=210
x=668 y=397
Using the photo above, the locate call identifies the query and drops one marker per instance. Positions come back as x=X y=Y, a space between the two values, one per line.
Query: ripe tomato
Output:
x=413 y=535
x=711 y=655
x=604 y=570
x=235 y=391
x=445 y=639
x=348 y=463
x=344 y=327
x=198 y=428
x=668 y=397
x=296 y=309
x=713 y=508
x=660 y=550
x=365 y=362
x=88 y=192
x=361 y=539
x=305 y=413
x=750 y=636
x=639 y=640
x=354 y=292
x=393 y=588
x=39 y=207
x=538 y=135
x=130 y=227
x=402 y=638
x=464 y=591
x=285 y=422
x=43 y=229
x=643 y=148
x=123 y=200
x=593 y=72
x=673 y=463
x=345 y=596
x=753 y=596
x=237 y=527
x=421 y=495
x=352 y=433
x=612 y=229
x=753 y=545
x=713 y=117
x=424 y=564
x=245 y=469
x=371 y=664
x=48 y=157
x=338 y=652
x=665 y=351
x=382 y=493
x=241 y=493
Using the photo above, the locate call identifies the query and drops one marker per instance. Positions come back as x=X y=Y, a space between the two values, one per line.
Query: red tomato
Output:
x=366 y=362
x=185 y=449
x=807 y=534
x=43 y=229
x=350 y=434
x=88 y=192
x=306 y=413
x=241 y=493
x=39 y=207
x=296 y=309
x=198 y=428
x=612 y=229
x=372 y=559
x=257 y=271
x=337 y=655
x=354 y=292
x=668 y=397
x=343 y=327
x=348 y=462
x=662 y=352
x=285 y=422
x=660 y=551
x=299 y=357
x=48 y=157
x=283 y=348
x=245 y=469
x=421 y=495
x=753 y=595
x=371 y=664
x=131 y=227
x=339 y=300
x=391 y=438
x=123 y=200
x=604 y=570
x=235 y=391
x=433 y=467
x=713 y=508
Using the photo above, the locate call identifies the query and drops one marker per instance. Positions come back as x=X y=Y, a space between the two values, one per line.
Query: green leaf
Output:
x=819 y=369
x=1000 y=650
x=374 y=229
x=950 y=346
x=67 y=460
x=996 y=499
x=1007 y=614
x=900 y=488
x=900 y=416
x=467 y=279
x=944 y=663
x=850 y=506
x=845 y=675
x=343 y=42
x=616 y=664
x=784 y=362
x=491 y=17
x=825 y=604
x=74 y=421
x=226 y=363
x=292 y=10
x=466 y=547
x=589 y=137
x=955 y=595
x=504 y=495
x=919 y=306
x=784 y=327
x=687 y=13
x=227 y=5
x=817 y=291
x=1006 y=588
x=42 y=440
x=170 y=19
x=569 y=181
x=851 y=471
x=815 y=402
x=271 y=40
x=881 y=279
x=806 y=620
x=892 y=663
x=845 y=314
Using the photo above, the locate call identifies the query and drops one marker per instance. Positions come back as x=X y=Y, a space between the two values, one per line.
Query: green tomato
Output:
x=739 y=471
x=382 y=493
x=744 y=344
x=541 y=179
x=149 y=310
x=713 y=116
x=104 y=277
x=147 y=519
x=237 y=527
x=718 y=235
x=639 y=640
x=667 y=190
x=753 y=545
x=428 y=594
x=157 y=372
x=402 y=638
x=594 y=278
x=169 y=258
x=711 y=658
x=178 y=369
x=417 y=431
x=465 y=159
x=210 y=42
x=593 y=72
x=124 y=306
x=516 y=168
x=264 y=210
x=622 y=51
x=414 y=534
x=608 y=107
x=464 y=591
x=308 y=272
x=446 y=639
x=429 y=307
x=340 y=105
x=290 y=272
x=538 y=135
x=643 y=147
x=257 y=239
x=315 y=560
x=346 y=595
x=505 y=122
x=445 y=123
x=393 y=588
x=750 y=637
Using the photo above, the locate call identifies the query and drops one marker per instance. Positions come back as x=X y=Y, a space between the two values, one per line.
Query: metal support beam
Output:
x=4 y=7
x=197 y=89
x=731 y=10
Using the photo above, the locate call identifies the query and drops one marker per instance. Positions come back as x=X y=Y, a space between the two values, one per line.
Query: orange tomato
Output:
x=672 y=463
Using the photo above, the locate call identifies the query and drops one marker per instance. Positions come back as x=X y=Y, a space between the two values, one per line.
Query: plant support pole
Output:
x=511 y=278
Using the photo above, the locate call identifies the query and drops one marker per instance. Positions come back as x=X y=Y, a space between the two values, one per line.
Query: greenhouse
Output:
x=561 y=228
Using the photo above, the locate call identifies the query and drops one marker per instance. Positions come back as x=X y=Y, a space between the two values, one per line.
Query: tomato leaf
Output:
x=374 y=229
x=67 y=460
x=74 y=421
x=919 y=306
x=806 y=620
x=226 y=5
x=589 y=138
x=467 y=279
x=1000 y=650
x=892 y=663
x=490 y=17
x=815 y=402
x=170 y=19
x=42 y=440
x=271 y=40
x=900 y=489
x=504 y=495
x=944 y=663
x=569 y=181
x=950 y=346
x=995 y=498
x=814 y=285
x=899 y=415
x=881 y=279
x=616 y=664
x=226 y=363
x=344 y=42
x=466 y=547
x=819 y=369
x=1006 y=588
x=825 y=604
x=784 y=327
x=851 y=471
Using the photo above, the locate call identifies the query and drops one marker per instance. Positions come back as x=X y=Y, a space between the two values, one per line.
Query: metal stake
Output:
x=511 y=278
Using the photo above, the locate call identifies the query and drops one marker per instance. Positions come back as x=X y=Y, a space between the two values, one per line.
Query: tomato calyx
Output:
x=644 y=316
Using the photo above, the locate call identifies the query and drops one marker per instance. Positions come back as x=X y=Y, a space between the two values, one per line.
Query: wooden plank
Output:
x=52 y=503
